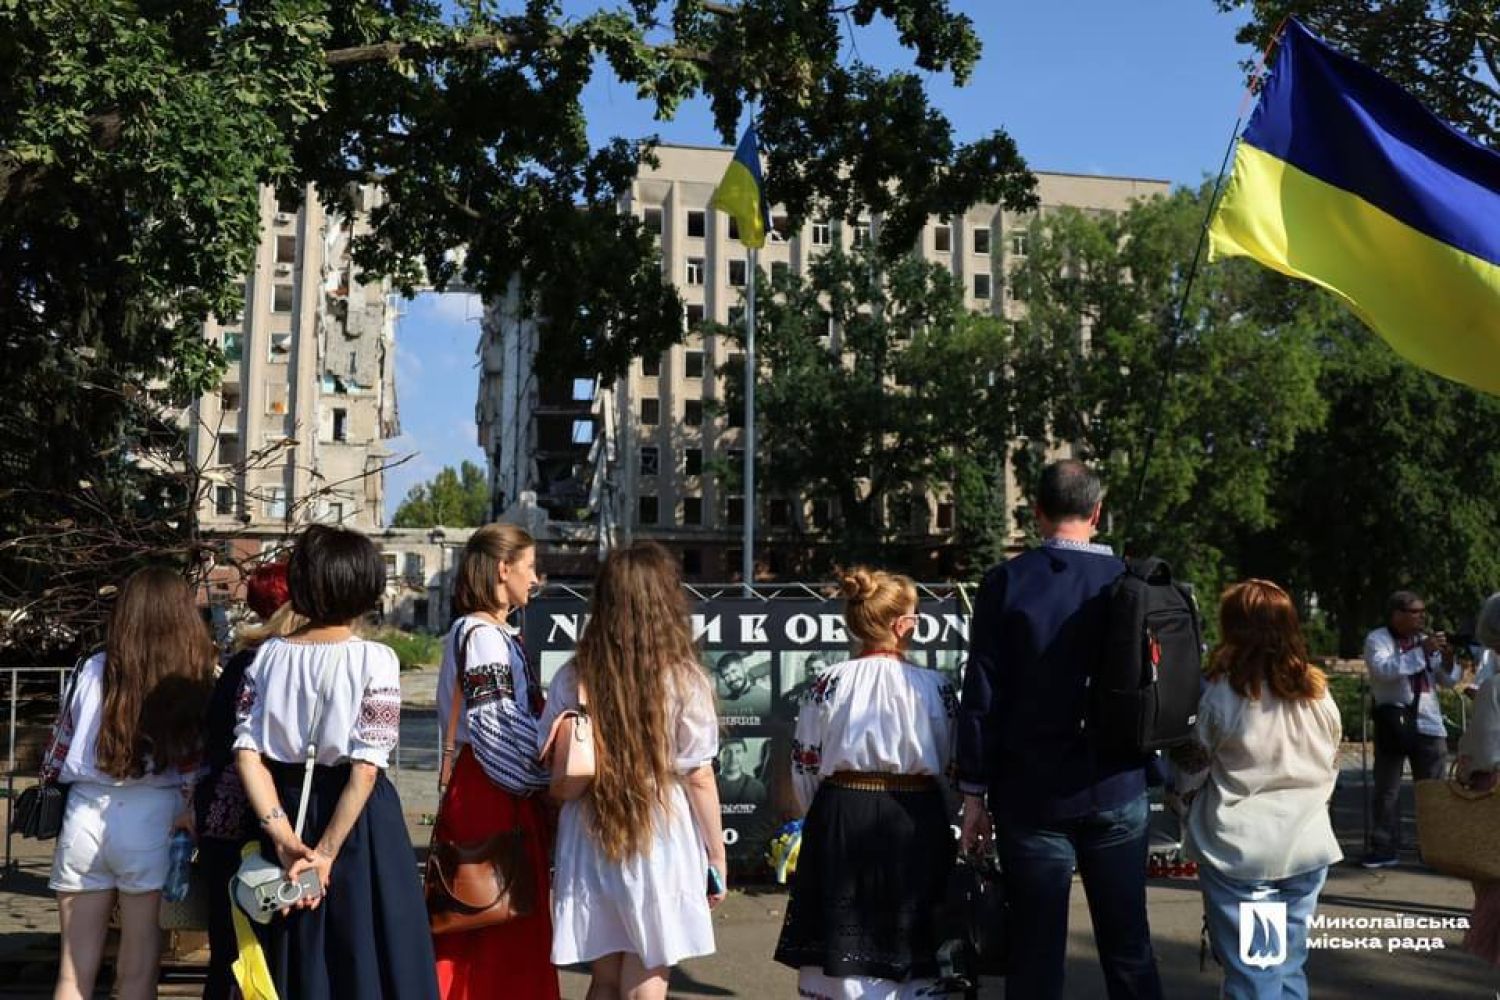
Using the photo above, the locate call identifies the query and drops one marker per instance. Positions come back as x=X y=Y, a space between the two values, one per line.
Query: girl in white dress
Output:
x=873 y=741
x=634 y=854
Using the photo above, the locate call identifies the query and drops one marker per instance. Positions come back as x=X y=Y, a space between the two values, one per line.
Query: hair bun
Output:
x=858 y=584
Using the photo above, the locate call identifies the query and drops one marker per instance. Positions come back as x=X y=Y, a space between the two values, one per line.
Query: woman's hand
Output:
x=719 y=866
x=186 y=821
x=322 y=865
x=976 y=829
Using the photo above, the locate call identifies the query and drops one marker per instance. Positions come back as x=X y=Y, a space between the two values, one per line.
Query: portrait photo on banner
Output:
x=799 y=670
x=742 y=684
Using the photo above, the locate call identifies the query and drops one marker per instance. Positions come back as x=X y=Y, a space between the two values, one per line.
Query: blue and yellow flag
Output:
x=1345 y=180
x=743 y=195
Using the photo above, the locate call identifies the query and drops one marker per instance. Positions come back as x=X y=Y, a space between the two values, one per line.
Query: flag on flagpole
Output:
x=742 y=194
x=1345 y=180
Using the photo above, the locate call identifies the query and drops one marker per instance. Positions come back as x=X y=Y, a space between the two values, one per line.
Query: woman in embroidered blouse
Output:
x=220 y=807
x=1267 y=745
x=365 y=937
x=873 y=740
x=496 y=776
x=634 y=853
x=127 y=741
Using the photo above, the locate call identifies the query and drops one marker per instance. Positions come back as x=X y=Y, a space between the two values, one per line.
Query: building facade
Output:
x=660 y=419
x=296 y=431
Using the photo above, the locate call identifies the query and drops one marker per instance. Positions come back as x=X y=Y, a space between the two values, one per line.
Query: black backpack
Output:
x=1143 y=692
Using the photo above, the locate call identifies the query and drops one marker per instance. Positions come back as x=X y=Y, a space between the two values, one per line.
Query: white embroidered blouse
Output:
x=502 y=703
x=70 y=756
x=876 y=713
x=361 y=714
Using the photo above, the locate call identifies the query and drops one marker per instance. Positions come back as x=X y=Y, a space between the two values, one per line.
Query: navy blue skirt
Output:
x=369 y=940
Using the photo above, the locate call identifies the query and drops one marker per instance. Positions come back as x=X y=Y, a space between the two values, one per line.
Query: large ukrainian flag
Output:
x=742 y=194
x=1345 y=180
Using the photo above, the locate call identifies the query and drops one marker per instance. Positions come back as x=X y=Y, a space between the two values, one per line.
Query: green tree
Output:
x=135 y=135
x=877 y=389
x=453 y=499
x=1396 y=490
x=1094 y=368
x=1447 y=54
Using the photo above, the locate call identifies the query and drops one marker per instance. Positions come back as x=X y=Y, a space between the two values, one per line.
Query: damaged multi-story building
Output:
x=296 y=431
x=636 y=458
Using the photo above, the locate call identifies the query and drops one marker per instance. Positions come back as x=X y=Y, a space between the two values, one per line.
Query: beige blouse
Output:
x=1262 y=812
x=1480 y=744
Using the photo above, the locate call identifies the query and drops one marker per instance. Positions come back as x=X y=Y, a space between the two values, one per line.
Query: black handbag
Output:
x=37 y=813
x=972 y=925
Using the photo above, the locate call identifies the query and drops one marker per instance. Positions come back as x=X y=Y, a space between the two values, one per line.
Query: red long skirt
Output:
x=512 y=959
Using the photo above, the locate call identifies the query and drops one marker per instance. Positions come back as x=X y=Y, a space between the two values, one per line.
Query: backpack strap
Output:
x=1150 y=569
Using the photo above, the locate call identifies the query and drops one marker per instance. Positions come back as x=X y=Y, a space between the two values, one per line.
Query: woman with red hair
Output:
x=224 y=823
x=1268 y=737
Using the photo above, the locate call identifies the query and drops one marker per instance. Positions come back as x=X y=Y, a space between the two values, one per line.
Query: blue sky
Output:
x=1148 y=88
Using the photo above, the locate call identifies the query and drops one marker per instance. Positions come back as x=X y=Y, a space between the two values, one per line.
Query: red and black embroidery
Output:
x=806 y=758
x=379 y=722
x=488 y=682
x=228 y=814
x=244 y=699
x=823 y=688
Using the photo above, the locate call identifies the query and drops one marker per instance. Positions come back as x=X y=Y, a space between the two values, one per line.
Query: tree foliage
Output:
x=1097 y=367
x=1397 y=489
x=1446 y=53
x=135 y=136
x=458 y=499
x=877 y=390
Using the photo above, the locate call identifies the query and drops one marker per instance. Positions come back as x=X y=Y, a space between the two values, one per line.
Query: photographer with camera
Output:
x=1406 y=663
x=318 y=715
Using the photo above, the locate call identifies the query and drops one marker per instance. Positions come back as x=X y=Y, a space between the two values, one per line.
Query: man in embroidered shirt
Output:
x=1406 y=664
x=1038 y=626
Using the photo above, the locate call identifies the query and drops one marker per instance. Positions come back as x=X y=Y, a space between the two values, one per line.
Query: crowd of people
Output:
x=281 y=756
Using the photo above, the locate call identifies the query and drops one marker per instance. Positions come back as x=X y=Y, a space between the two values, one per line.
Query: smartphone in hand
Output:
x=715 y=882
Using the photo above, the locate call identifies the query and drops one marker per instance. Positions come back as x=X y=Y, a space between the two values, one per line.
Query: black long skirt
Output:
x=870 y=877
x=369 y=940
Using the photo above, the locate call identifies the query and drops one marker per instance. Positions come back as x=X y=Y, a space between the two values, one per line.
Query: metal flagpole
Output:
x=747 y=568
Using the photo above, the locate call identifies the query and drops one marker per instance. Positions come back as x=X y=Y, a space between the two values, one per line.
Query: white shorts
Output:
x=114 y=837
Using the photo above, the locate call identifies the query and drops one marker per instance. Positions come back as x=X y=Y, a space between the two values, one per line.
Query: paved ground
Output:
x=748 y=923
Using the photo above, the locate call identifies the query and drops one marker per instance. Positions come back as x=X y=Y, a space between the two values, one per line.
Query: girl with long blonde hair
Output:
x=640 y=857
x=1267 y=741
x=874 y=737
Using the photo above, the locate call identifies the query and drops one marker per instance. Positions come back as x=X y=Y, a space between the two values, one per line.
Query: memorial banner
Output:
x=762 y=654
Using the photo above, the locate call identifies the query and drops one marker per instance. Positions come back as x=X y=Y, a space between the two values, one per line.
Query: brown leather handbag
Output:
x=475 y=883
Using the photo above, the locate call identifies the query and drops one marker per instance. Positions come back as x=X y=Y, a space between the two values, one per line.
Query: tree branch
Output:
x=502 y=42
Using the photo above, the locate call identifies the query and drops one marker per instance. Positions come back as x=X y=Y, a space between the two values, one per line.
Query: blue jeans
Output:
x=1285 y=980
x=1108 y=848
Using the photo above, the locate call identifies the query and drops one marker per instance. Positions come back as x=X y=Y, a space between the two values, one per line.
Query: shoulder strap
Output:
x=319 y=697
x=64 y=713
x=450 y=732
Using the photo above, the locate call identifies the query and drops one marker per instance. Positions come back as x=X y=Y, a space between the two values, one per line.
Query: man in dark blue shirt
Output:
x=1024 y=752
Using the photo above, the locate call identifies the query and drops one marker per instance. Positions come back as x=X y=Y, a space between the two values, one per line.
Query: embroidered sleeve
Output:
x=809 y=737
x=377 y=726
x=502 y=729
x=248 y=708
